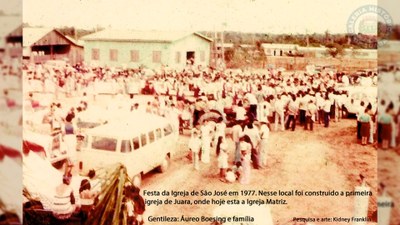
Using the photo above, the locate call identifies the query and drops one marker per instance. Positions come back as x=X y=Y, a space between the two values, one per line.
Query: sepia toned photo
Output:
x=211 y=112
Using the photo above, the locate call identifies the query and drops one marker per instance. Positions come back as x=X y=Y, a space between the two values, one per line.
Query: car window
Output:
x=136 y=143
x=158 y=133
x=82 y=141
x=103 y=143
x=143 y=139
x=151 y=137
x=126 y=146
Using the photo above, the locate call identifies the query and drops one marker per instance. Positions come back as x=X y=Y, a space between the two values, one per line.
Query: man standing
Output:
x=310 y=115
x=292 y=112
x=327 y=110
x=254 y=135
x=302 y=108
x=236 y=134
x=253 y=104
x=279 y=113
x=264 y=135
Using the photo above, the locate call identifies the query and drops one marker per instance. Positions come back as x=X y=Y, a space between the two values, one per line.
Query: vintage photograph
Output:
x=203 y=112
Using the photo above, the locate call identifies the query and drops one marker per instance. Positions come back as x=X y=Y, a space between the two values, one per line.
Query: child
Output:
x=245 y=169
x=230 y=176
x=194 y=148
x=223 y=160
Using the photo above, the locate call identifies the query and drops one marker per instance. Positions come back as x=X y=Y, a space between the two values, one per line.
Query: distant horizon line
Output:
x=27 y=25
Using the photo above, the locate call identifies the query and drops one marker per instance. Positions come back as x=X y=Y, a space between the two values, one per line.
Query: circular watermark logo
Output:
x=365 y=20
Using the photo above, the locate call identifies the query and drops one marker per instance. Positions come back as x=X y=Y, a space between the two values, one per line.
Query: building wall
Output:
x=75 y=55
x=124 y=49
x=145 y=52
x=190 y=43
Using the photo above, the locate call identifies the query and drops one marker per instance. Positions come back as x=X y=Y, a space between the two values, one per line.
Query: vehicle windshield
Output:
x=104 y=143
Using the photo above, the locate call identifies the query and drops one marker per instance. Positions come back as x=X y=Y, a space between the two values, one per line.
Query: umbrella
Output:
x=210 y=115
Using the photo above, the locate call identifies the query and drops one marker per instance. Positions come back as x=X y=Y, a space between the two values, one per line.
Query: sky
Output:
x=11 y=6
x=264 y=16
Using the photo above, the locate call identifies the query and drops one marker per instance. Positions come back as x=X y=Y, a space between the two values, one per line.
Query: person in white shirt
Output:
x=172 y=115
x=194 y=147
x=240 y=112
x=254 y=134
x=310 y=115
x=237 y=131
x=264 y=112
x=205 y=142
x=253 y=104
x=360 y=111
x=219 y=130
x=264 y=136
x=223 y=160
x=320 y=105
x=327 y=110
x=302 y=108
x=279 y=113
x=292 y=113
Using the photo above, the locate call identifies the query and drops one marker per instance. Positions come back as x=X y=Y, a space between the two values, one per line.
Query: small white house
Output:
x=151 y=49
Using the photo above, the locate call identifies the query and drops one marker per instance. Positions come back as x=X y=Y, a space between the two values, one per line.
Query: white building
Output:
x=150 y=49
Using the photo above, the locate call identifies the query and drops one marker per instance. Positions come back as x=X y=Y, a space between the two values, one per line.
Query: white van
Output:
x=141 y=143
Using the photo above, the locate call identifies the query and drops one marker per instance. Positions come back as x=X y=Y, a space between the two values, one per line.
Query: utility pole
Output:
x=215 y=49
x=222 y=45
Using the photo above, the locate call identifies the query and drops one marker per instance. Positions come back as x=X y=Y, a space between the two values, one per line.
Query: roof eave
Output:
x=204 y=37
x=125 y=40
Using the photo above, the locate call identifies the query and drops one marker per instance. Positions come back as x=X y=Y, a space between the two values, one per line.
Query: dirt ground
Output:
x=388 y=174
x=325 y=159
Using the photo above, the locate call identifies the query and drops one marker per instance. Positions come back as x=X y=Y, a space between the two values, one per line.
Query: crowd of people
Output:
x=217 y=107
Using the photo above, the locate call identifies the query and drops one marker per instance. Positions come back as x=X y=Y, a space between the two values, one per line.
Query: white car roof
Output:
x=130 y=125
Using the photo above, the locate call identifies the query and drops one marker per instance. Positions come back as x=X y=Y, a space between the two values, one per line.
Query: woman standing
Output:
x=245 y=148
x=366 y=123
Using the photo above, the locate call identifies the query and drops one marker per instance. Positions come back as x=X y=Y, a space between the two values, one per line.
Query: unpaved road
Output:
x=325 y=159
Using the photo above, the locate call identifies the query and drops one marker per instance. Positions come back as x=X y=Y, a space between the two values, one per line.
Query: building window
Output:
x=178 y=57
x=113 y=55
x=202 y=56
x=156 y=56
x=95 y=54
x=134 y=56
